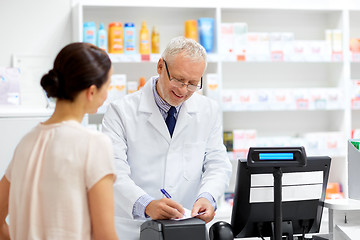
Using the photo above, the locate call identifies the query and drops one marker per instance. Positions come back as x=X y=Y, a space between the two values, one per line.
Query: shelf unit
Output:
x=354 y=32
x=308 y=20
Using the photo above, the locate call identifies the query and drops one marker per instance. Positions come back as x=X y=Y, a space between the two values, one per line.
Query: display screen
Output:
x=276 y=156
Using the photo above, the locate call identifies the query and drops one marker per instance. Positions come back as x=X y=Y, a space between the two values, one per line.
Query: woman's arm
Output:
x=101 y=202
x=4 y=204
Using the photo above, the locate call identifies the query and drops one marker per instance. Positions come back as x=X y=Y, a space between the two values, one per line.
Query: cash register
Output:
x=279 y=193
x=189 y=229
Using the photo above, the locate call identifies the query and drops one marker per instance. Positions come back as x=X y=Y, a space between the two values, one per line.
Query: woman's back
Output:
x=53 y=168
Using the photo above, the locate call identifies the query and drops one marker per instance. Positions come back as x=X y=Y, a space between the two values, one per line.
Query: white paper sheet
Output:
x=187 y=214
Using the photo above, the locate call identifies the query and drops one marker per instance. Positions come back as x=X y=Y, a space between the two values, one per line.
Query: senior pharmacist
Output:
x=166 y=137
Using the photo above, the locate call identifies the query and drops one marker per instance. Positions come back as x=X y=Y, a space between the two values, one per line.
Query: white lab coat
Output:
x=147 y=159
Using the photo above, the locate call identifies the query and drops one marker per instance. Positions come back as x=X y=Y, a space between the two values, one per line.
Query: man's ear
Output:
x=160 y=66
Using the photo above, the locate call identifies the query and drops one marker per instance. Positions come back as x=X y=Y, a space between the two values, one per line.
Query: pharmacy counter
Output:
x=344 y=219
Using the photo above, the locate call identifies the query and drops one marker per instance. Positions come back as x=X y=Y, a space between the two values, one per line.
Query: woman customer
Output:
x=59 y=182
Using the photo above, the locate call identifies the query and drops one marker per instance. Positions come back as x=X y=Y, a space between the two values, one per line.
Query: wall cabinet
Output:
x=324 y=124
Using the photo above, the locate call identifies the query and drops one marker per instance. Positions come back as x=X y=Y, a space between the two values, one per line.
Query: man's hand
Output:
x=164 y=209
x=202 y=205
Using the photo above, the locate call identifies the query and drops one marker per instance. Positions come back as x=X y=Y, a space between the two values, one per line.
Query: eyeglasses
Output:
x=179 y=84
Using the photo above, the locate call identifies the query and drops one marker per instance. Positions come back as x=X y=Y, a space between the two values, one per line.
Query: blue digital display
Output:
x=276 y=156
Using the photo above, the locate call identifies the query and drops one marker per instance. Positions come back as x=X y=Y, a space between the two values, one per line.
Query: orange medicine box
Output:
x=191 y=30
x=116 y=38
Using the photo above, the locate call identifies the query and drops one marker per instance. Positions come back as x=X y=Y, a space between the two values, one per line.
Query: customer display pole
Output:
x=277 y=203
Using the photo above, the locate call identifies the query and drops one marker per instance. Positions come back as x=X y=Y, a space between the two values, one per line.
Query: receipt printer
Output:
x=189 y=229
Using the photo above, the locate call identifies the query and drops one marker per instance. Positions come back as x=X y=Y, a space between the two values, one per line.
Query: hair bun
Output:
x=50 y=83
x=52 y=73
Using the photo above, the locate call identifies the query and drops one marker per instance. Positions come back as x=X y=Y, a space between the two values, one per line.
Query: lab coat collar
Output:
x=148 y=105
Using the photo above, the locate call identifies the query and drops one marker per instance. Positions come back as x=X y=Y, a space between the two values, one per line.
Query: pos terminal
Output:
x=276 y=209
x=189 y=229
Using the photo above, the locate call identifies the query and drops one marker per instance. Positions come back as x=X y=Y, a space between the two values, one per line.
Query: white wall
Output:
x=36 y=27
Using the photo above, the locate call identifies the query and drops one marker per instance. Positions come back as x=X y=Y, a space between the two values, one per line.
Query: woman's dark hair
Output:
x=76 y=67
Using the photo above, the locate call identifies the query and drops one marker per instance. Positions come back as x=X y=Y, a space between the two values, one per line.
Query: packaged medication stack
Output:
x=122 y=39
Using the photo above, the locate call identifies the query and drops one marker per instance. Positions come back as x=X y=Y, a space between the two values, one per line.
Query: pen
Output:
x=165 y=193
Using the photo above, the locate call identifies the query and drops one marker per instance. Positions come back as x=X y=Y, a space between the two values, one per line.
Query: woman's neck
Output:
x=65 y=111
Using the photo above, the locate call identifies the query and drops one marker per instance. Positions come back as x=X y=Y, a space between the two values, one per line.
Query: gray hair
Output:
x=189 y=47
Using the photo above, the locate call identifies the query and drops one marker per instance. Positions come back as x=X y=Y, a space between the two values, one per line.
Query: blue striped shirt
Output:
x=163 y=106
